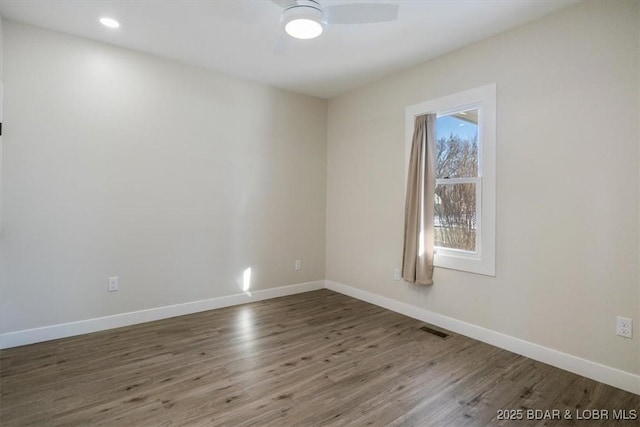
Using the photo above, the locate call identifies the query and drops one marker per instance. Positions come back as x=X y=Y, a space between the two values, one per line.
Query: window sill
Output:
x=464 y=261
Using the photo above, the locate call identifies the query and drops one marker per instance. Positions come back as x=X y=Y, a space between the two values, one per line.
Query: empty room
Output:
x=319 y=212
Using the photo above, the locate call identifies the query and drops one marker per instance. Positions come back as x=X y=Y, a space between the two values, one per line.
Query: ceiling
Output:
x=237 y=36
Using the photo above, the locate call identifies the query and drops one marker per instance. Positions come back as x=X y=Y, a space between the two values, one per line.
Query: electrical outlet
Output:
x=396 y=274
x=113 y=284
x=624 y=327
x=298 y=265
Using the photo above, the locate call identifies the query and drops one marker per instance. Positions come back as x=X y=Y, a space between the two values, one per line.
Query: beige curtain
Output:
x=417 y=258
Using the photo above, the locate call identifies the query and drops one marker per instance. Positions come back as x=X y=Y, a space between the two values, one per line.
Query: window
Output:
x=456 y=203
x=464 y=220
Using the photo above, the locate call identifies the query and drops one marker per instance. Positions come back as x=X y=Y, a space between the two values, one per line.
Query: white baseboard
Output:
x=596 y=371
x=47 y=333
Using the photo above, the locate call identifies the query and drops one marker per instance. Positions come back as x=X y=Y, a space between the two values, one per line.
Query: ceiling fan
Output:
x=307 y=19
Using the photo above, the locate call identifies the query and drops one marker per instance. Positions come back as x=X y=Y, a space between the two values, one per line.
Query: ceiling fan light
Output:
x=303 y=20
x=303 y=28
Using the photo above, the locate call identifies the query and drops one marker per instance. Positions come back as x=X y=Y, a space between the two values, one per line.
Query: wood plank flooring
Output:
x=312 y=359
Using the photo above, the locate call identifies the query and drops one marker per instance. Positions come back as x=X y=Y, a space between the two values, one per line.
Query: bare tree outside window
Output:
x=455 y=220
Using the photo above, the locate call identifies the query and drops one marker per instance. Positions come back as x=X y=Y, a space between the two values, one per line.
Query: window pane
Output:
x=455 y=216
x=457 y=145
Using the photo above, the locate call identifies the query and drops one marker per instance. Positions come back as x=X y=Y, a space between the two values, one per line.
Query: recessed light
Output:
x=109 y=22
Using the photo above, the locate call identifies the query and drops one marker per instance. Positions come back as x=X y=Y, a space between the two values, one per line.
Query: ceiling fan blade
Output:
x=283 y=3
x=361 y=13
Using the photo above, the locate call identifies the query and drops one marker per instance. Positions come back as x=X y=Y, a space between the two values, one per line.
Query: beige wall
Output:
x=567 y=183
x=173 y=178
x=1 y=119
x=0 y=47
x=637 y=322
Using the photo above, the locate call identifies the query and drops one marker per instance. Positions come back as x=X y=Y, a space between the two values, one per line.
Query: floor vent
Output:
x=434 y=332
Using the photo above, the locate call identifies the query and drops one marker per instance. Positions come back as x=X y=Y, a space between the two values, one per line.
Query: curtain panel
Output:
x=417 y=258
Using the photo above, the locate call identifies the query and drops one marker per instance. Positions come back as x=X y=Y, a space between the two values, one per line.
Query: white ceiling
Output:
x=237 y=36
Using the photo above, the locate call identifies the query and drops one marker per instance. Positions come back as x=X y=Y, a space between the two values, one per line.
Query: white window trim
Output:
x=483 y=260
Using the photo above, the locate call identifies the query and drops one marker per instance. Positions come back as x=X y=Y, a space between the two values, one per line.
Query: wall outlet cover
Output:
x=113 y=284
x=624 y=327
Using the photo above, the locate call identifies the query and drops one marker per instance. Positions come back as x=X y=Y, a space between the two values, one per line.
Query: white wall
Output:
x=567 y=183
x=173 y=178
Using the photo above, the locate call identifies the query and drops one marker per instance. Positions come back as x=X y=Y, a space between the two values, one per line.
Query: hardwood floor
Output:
x=318 y=358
